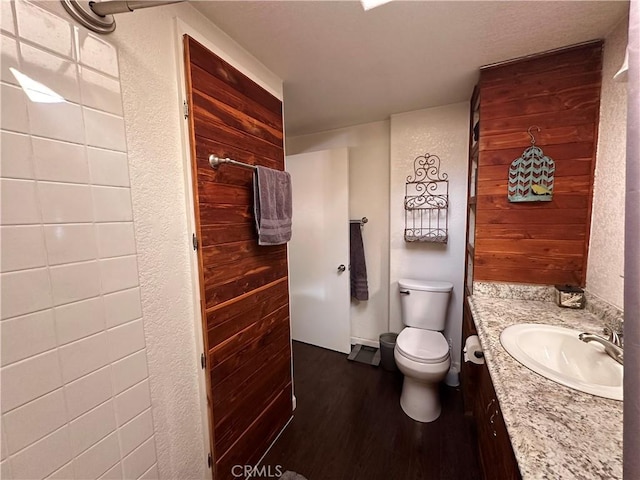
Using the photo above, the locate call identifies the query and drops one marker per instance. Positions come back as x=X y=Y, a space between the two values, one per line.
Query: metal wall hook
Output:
x=533 y=139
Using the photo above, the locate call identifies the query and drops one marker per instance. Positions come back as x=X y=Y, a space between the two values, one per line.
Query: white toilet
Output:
x=422 y=352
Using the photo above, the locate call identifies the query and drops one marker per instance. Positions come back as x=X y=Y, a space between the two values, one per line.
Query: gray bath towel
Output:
x=359 y=283
x=272 y=205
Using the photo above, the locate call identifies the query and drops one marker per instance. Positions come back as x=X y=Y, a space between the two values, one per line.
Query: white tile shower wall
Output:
x=75 y=395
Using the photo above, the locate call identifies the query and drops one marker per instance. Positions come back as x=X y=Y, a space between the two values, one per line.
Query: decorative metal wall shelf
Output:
x=426 y=202
x=531 y=175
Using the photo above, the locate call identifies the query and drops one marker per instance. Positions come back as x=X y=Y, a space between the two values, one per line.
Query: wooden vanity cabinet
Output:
x=494 y=446
x=496 y=453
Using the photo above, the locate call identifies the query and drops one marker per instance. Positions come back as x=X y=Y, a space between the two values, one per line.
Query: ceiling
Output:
x=343 y=66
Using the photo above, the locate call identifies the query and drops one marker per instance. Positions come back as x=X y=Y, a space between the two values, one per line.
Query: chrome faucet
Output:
x=613 y=350
x=614 y=336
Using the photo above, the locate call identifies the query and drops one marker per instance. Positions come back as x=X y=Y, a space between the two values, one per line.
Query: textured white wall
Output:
x=368 y=197
x=606 y=247
x=149 y=63
x=442 y=131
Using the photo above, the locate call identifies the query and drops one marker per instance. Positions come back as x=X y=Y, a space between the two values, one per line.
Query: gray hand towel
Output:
x=272 y=205
x=358 y=272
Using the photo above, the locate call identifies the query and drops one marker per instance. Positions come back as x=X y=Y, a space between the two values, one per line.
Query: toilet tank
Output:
x=424 y=303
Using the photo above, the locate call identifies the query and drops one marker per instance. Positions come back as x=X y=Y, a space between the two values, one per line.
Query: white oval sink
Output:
x=557 y=354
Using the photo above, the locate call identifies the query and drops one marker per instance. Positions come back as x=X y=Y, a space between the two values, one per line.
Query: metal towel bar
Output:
x=361 y=221
x=216 y=161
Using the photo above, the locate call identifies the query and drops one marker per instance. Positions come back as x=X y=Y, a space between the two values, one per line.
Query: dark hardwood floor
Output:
x=349 y=425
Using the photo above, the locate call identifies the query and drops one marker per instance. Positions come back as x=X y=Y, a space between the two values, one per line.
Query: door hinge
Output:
x=209 y=460
x=194 y=241
x=203 y=361
x=186 y=109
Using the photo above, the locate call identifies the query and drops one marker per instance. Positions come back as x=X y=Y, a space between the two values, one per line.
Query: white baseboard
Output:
x=365 y=341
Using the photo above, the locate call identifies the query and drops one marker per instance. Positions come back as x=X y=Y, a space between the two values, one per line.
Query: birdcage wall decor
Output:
x=531 y=175
x=426 y=202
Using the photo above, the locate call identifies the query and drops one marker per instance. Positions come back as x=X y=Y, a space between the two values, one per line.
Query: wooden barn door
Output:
x=243 y=286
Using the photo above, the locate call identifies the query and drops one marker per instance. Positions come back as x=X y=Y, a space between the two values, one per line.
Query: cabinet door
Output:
x=485 y=403
x=496 y=453
x=507 y=467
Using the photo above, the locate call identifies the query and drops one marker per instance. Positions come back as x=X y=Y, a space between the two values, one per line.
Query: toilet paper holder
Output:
x=473 y=350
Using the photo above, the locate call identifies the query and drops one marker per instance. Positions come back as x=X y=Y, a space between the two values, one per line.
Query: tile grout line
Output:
x=68 y=303
x=68 y=142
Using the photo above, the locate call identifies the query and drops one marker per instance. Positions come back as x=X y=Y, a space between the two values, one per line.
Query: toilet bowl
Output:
x=422 y=351
x=423 y=358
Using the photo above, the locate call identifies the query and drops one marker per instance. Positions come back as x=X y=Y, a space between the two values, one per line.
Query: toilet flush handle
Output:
x=405 y=292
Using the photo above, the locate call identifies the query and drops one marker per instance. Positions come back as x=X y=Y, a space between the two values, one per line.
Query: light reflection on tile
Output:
x=57 y=73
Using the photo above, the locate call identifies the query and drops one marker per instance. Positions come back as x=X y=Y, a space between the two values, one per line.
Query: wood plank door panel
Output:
x=243 y=287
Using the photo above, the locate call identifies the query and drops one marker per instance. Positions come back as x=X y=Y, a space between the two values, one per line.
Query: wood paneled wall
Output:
x=244 y=287
x=538 y=242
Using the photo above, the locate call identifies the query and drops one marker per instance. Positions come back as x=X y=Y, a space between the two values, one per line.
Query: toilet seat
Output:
x=423 y=346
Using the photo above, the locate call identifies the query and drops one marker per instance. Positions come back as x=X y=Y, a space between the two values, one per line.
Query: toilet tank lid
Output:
x=425 y=285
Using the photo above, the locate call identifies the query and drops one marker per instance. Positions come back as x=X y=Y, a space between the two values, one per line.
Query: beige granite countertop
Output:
x=556 y=432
